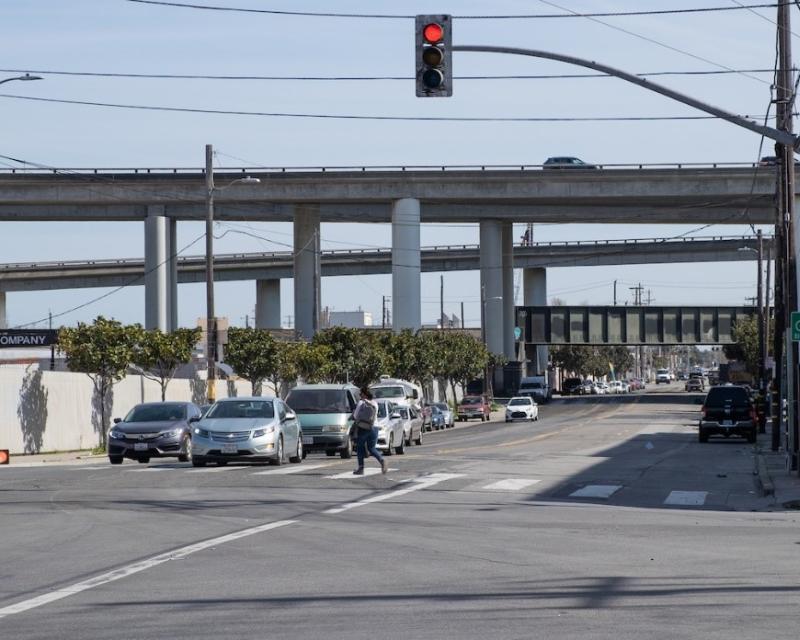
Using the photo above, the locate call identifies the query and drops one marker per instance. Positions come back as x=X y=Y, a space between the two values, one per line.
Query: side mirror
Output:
x=291 y=415
x=195 y=419
x=117 y=420
x=395 y=416
x=416 y=394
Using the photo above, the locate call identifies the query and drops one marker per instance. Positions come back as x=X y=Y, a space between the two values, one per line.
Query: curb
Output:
x=764 y=482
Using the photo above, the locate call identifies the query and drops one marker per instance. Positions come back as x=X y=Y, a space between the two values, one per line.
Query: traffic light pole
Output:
x=784 y=137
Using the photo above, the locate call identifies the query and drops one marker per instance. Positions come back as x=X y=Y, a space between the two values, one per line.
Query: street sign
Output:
x=27 y=338
x=795 y=326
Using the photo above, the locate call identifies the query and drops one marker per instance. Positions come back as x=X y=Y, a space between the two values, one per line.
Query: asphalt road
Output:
x=604 y=519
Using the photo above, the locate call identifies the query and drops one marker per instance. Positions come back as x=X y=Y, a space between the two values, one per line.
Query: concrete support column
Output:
x=156 y=279
x=509 y=320
x=406 y=261
x=3 y=317
x=268 y=304
x=173 y=274
x=307 y=285
x=491 y=263
x=534 y=288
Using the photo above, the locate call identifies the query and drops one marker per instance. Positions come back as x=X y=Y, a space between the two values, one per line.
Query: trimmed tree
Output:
x=159 y=355
x=102 y=350
x=253 y=354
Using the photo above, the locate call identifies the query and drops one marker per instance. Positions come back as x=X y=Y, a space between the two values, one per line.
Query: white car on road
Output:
x=390 y=429
x=522 y=408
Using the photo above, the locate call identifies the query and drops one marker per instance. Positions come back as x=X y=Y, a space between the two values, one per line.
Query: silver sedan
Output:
x=252 y=429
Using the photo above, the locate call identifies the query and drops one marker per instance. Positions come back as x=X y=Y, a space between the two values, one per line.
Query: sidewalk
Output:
x=773 y=477
x=65 y=457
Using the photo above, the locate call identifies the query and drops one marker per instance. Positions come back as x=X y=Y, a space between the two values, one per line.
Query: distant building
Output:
x=351 y=319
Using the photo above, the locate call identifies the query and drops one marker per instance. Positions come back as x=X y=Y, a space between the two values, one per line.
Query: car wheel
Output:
x=198 y=461
x=390 y=448
x=277 y=461
x=330 y=453
x=408 y=439
x=115 y=459
x=418 y=441
x=401 y=449
x=347 y=452
x=298 y=456
x=185 y=454
x=143 y=459
x=703 y=437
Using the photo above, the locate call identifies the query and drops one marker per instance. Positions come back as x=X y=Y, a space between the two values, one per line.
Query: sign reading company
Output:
x=10 y=338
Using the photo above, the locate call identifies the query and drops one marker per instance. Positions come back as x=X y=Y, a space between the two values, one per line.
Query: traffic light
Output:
x=434 y=55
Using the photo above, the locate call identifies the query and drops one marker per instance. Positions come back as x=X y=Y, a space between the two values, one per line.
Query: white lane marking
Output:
x=596 y=491
x=142 y=565
x=298 y=468
x=369 y=471
x=687 y=498
x=90 y=467
x=160 y=467
x=423 y=482
x=511 y=484
x=211 y=469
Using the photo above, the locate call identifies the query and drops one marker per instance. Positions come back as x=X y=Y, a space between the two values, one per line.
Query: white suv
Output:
x=662 y=375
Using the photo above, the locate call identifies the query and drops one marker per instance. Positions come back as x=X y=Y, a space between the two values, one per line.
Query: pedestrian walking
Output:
x=367 y=433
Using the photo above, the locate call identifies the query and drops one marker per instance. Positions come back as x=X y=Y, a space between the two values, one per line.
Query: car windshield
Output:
x=442 y=406
x=388 y=392
x=156 y=413
x=471 y=400
x=318 y=401
x=241 y=409
x=531 y=385
x=435 y=410
x=518 y=401
x=382 y=410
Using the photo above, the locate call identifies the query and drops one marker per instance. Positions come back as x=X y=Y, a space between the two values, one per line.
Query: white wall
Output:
x=43 y=411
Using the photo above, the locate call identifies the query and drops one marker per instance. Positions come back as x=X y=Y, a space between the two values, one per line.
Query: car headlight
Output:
x=171 y=433
x=116 y=435
x=262 y=432
x=335 y=428
x=201 y=432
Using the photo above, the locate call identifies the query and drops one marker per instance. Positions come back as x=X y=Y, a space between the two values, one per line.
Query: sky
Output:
x=69 y=43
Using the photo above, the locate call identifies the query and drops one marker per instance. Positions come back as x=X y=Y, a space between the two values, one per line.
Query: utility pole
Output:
x=211 y=323
x=615 y=293
x=462 y=314
x=787 y=244
x=441 y=301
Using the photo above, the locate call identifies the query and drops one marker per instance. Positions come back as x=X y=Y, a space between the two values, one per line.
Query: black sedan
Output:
x=153 y=430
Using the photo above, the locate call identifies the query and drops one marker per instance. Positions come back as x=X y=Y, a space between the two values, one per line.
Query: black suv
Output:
x=572 y=387
x=727 y=411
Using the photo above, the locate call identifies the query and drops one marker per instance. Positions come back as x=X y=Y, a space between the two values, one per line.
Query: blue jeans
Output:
x=366 y=441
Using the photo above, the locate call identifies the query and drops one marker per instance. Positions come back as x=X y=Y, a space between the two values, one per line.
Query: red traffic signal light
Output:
x=433 y=41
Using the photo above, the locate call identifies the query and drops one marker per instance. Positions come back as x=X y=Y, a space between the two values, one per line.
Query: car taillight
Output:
x=703 y=410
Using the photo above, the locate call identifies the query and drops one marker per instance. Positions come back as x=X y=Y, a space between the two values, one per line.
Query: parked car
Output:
x=597 y=388
x=572 y=387
x=153 y=430
x=325 y=412
x=588 y=388
x=449 y=416
x=695 y=384
x=522 y=408
x=728 y=410
x=615 y=386
x=662 y=375
x=411 y=420
x=254 y=429
x=390 y=429
x=474 y=407
x=437 y=419
x=566 y=162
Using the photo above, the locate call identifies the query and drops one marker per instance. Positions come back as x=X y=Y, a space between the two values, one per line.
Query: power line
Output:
x=330 y=116
x=314 y=14
x=339 y=78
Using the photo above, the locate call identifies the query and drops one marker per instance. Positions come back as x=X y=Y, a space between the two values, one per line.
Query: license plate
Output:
x=727 y=423
x=308 y=440
x=229 y=448
x=141 y=446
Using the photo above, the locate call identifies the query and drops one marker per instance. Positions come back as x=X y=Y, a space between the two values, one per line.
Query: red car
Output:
x=474 y=407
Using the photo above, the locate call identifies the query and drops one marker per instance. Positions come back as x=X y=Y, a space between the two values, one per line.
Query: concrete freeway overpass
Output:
x=494 y=197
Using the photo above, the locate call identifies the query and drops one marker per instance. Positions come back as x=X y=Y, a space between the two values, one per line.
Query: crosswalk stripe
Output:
x=369 y=471
x=596 y=491
x=299 y=468
x=416 y=484
x=687 y=498
x=212 y=469
x=511 y=484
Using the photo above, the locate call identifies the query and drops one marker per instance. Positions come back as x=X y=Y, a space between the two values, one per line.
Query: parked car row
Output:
x=580 y=387
x=315 y=417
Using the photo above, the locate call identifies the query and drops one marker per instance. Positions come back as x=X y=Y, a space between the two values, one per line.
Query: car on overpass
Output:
x=566 y=162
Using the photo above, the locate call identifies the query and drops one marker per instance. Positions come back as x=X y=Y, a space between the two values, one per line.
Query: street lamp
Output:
x=762 y=342
x=25 y=78
x=211 y=322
